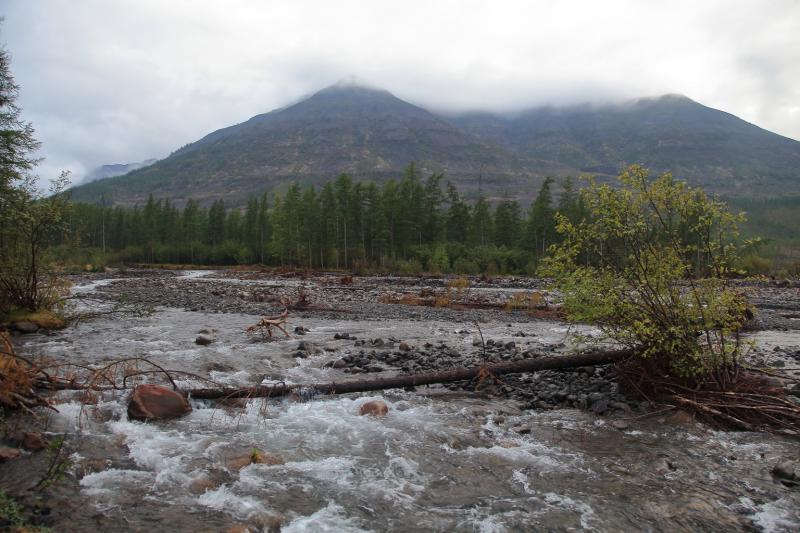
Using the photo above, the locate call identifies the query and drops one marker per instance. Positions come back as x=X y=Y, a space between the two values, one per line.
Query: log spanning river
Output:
x=565 y=452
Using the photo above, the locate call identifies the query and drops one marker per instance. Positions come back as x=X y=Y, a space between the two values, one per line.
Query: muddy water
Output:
x=440 y=461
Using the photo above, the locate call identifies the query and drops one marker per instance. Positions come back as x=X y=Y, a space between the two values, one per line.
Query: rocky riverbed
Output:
x=547 y=450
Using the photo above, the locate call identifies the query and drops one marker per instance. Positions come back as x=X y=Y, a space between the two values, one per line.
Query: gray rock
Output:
x=204 y=340
x=339 y=363
x=595 y=397
x=620 y=425
x=521 y=429
x=25 y=326
x=662 y=466
x=785 y=470
x=599 y=407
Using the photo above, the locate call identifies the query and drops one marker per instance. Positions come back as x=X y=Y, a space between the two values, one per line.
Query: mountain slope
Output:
x=710 y=148
x=370 y=134
x=366 y=133
x=114 y=169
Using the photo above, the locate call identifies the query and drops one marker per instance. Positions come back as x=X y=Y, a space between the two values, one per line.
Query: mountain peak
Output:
x=669 y=98
x=352 y=86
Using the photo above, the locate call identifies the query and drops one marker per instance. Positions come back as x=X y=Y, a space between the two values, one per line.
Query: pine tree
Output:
x=507 y=224
x=541 y=220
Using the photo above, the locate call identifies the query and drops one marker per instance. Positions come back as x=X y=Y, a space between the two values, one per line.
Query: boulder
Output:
x=153 y=402
x=204 y=340
x=339 y=363
x=8 y=454
x=25 y=326
x=784 y=470
x=33 y=441
x=374 y=408
x=404 y=347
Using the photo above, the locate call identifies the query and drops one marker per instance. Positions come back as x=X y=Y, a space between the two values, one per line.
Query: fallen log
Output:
x=413 y=380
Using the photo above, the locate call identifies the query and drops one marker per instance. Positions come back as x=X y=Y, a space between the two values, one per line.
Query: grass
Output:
x=12 y=516
x=43 y=318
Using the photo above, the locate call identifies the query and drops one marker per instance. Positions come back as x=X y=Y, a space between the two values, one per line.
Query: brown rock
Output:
x=374 y=408
x=404 y=346
x=8 y=454
x=265 y=458
x=153 y=402
x=202 y=484
x=33 y=441
x=255 y=456
x=92 y=466
x=239 y=462
x=268 y=523
x=681 y=418
x=239 y=528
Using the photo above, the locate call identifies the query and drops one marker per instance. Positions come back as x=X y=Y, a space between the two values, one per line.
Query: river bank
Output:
x=553 y=450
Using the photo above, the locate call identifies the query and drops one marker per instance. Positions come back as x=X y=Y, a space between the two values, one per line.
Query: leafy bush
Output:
x=648 y=265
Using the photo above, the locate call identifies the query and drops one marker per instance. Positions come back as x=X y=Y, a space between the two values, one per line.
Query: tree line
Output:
x=406 y=225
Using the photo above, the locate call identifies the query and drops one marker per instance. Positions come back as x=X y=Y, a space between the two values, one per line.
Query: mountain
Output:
x=371 y=134
x=709 y=148
x=114 y=169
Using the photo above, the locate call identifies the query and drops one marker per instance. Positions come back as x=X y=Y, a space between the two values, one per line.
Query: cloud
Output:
x=124 y=81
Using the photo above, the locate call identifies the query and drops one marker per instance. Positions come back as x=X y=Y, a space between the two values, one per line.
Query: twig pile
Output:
x=751 y=402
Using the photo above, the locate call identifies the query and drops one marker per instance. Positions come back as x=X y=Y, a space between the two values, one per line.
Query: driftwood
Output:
x=266 y=324
x=412 y=380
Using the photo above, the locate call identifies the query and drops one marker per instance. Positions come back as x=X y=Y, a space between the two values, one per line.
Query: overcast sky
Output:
x=120 y=81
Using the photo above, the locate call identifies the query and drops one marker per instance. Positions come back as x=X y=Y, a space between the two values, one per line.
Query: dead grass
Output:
x=45 y=319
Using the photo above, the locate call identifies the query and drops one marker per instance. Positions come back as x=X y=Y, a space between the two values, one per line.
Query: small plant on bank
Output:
x=59 y=464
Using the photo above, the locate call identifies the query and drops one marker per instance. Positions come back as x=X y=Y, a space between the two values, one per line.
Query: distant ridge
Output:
x=114 y=169
x=371 y=134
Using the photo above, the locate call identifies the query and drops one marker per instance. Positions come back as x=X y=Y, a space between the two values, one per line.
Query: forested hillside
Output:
x=410 y=225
